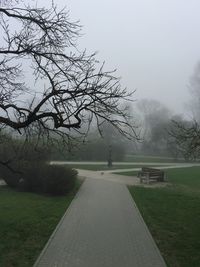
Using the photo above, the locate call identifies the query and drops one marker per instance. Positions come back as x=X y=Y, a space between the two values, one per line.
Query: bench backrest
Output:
x=146 y=169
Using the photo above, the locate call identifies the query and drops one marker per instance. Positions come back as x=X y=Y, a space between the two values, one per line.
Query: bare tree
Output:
x=46 y=83
x=155 y=117
x=187 y=137
x=186 y=133
x=193 y=104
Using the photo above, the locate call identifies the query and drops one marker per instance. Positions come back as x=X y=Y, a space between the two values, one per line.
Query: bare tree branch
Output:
x=187 y=136
x=76 y=88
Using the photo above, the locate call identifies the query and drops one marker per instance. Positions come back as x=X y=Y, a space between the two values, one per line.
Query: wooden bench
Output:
x=147 y=175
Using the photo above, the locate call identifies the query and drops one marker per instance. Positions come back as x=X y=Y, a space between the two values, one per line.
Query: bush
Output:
x=37 y=176
x=11 y=179
x=12 y=175
x=31 y=178
x=59 y=180
x=50 y=179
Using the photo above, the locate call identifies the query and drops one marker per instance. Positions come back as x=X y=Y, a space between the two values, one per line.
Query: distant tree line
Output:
x=167 y=134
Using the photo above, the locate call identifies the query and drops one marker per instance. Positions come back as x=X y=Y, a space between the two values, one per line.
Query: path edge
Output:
x=57 y=227
x=147 y=228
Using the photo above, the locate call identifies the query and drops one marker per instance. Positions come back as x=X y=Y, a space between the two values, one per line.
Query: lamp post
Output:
x=109 y=156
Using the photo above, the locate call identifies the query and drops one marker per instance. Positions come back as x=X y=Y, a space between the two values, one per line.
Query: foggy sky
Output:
x=155 y=44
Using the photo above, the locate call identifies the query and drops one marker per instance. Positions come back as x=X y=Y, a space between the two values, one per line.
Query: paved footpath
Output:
x=128 y=180
x=101 y=228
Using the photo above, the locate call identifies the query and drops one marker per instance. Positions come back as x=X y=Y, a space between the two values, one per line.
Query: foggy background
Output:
x=153 y=44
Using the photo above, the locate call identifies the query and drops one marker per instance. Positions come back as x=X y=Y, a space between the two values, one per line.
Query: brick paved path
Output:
x=101 y=228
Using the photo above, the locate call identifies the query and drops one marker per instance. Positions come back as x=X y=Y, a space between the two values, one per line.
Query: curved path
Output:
x=107 y=176
x=101 y=228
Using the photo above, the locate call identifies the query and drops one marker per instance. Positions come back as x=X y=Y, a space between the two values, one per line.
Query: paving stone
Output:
x=101 y=228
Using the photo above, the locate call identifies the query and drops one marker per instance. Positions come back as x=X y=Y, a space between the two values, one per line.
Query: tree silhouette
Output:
x=46 y=83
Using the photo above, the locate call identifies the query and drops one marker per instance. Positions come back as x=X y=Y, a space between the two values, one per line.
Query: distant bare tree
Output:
x=187 y=137
x=187 y=133
x=194 y=90
x=155 y=117
x=66 y=89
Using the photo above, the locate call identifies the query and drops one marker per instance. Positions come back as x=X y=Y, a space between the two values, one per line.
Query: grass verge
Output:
x=103 y=167
x=141 y=158
x=173 y=215
x=128 y=173
x=26 y=223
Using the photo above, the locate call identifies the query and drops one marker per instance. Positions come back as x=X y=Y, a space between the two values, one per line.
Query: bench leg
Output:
x=148 y=179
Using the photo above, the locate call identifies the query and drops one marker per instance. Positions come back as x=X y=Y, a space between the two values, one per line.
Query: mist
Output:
x=154 y=45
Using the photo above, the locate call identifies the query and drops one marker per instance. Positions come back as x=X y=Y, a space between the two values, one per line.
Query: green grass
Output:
x=171 y=173
x=138 y=158
x=134 y=173
x=185 y=177
x=128 y=173
x=103 y=167
x=26 y=223
x=173 y=216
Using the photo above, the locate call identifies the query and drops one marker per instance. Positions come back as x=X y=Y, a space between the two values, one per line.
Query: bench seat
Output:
x=147 y=175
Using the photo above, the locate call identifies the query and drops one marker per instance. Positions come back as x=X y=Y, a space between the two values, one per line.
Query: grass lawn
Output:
x=26 y=223
x=173 y=216
x=103 y=167
x=138 y=158
x=128 y=173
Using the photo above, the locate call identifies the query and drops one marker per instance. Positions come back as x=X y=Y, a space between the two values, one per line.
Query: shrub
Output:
x=51 y=179
x=37 y=176
x=59 y=180
x=11 y=175
x=11 y=179
x=31 y=178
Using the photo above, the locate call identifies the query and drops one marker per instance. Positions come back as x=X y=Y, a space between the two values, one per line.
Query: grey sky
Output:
x=153 y=44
